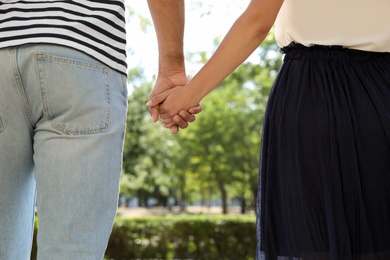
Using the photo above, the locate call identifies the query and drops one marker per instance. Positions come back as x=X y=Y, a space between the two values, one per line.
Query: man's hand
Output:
x=177 y=103
x=181 y=120
x=164 y=83
x=168 y=19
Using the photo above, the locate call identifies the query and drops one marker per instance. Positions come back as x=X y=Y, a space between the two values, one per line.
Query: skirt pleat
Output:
x=324 y=185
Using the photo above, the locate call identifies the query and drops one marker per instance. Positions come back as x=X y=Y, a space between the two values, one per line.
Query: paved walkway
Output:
x=159 y=211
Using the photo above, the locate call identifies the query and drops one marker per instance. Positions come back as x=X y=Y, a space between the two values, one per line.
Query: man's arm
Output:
x=246 y=34
x=168 y=19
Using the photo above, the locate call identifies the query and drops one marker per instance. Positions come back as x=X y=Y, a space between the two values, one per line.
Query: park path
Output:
x=160 y=211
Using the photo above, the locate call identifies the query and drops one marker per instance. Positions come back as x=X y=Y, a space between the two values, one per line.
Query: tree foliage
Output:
x=223 y=144
x=218 y=155
x=148 y=151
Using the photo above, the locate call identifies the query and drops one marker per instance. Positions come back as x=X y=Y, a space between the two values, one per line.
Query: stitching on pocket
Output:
x=70 y=62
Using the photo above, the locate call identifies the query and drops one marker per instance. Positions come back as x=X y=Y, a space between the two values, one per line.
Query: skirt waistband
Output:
x=336 y=53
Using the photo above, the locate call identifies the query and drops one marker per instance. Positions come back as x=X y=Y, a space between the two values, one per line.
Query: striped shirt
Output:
x=96 y=27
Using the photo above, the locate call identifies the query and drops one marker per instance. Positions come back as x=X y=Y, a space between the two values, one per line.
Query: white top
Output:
x=96 y=27
x=355 y=24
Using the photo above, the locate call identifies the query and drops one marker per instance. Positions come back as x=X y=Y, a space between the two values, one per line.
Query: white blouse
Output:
x=355 y=24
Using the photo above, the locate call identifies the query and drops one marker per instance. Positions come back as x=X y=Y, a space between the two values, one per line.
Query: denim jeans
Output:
x=62 y=122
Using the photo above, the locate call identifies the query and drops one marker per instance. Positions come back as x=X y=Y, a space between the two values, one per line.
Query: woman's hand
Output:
x=180 y=120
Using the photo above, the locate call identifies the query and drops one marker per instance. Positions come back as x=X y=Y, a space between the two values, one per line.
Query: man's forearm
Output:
x=168 y=20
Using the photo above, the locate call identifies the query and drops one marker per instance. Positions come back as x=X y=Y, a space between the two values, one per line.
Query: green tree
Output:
x=148 y=150
x=222 y=146
x=217 y=155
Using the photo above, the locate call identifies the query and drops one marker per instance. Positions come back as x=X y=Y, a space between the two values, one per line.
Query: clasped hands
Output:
x=172 y=101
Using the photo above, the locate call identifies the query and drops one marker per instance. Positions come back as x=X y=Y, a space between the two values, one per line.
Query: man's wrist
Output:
x=169 y=63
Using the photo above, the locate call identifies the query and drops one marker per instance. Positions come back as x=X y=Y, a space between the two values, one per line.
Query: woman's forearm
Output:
x=246 y=34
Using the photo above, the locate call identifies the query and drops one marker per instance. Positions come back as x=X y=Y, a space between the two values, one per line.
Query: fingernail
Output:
x=148 y=103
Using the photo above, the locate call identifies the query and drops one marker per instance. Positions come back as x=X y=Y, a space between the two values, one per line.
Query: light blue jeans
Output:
x=62 y=122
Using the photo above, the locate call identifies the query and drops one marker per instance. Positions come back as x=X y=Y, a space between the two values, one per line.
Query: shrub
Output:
x=184 y=237
x=181 y=237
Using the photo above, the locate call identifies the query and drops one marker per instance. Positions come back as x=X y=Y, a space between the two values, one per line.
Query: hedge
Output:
x=182 y=237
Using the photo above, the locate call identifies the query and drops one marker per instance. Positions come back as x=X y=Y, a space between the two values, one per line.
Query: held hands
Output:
x=173 y=114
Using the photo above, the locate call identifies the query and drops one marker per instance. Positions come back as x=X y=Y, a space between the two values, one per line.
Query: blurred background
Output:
x=214 y=162
x=192 y=195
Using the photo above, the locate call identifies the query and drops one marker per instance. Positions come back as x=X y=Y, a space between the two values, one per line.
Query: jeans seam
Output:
x=108 y=96
x=41 y=76
x=1 y=126
x=20 y=87
x=125 y=90
x=33 y=223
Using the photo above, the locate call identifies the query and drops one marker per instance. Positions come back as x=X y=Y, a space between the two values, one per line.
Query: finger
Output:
x=157 y=99
x=168 y=121
x=153 y=111
x=196 y=110
x=174 y=129
x=169 y=125
x=185 y=116
x=165 y=116
x=181 y=123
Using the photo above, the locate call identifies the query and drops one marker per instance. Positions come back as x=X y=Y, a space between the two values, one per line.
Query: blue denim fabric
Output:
x=62 y=122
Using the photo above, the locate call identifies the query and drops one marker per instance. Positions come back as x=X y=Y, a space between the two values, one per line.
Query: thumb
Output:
x=157 y=99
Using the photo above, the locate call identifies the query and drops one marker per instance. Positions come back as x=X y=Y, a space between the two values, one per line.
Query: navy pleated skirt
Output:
x=324 y=185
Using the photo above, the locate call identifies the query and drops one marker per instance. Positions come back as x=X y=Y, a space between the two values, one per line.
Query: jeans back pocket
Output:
x=75 y=94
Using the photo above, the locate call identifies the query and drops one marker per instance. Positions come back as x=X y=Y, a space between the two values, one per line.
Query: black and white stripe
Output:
x=96 y=27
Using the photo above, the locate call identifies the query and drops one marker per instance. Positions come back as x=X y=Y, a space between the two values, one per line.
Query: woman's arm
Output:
x=246 y=34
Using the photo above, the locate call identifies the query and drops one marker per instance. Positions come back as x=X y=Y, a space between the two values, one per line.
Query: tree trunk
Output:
x=140 y=198
x=243 y=205
x=223 y=197
x=182 y=200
